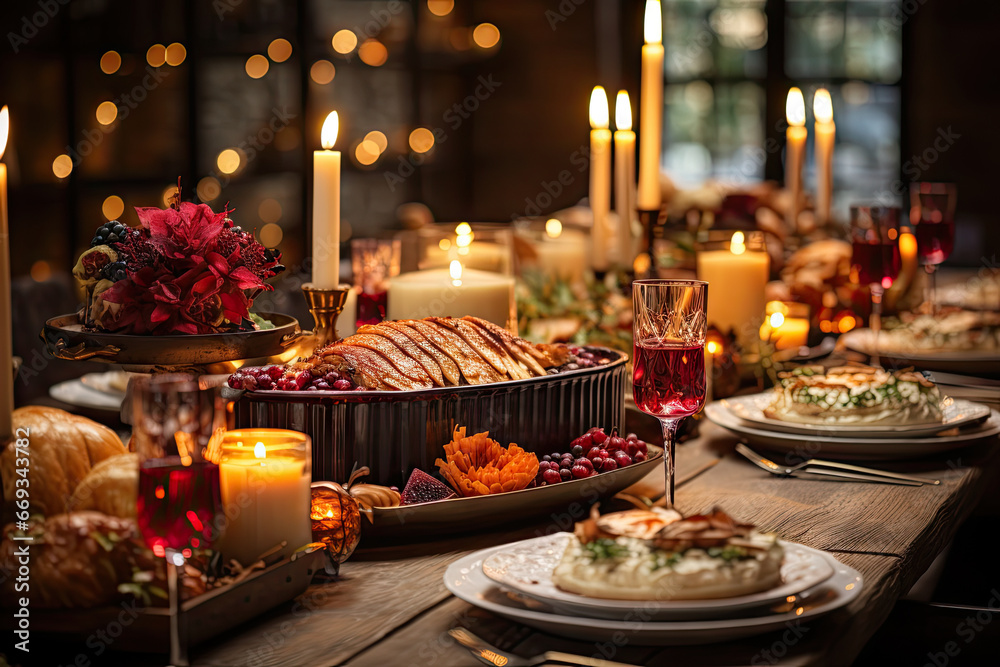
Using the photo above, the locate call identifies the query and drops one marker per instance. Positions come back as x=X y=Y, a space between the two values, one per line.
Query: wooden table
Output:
x=390 y=606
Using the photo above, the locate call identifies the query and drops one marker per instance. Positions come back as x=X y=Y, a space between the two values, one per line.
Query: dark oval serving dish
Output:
x=65 y=338
x=393 y=432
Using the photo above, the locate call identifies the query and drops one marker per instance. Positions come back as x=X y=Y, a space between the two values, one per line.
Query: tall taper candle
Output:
x=825 y=133
x=6 y=323
x=795 y=146
x=600 y=176
x=326 y=208
x=624 y=178
x=651 y=110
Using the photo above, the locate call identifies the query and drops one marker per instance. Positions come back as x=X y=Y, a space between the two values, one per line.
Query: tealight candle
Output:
x=265 y=476
x=786 y=325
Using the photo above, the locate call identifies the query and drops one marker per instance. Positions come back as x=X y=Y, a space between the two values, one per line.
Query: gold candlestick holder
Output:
x=325 y=306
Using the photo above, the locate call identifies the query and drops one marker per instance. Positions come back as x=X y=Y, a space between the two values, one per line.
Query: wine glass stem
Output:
x=669 y=435
x=932 y=288
x=876 y=322
x=178 y=643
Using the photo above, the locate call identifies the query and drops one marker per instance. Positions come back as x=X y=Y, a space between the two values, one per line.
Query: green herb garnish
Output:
x=604 y=549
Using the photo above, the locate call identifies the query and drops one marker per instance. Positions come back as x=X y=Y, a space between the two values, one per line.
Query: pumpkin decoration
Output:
x=64 y=448
x=111 y=487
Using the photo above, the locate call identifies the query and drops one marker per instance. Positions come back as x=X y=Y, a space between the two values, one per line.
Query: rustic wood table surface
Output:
x=390 y=606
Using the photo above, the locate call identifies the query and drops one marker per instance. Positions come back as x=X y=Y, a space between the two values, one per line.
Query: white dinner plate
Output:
x=972 y=362
x=527 y=567
x=958 y=413
x=466 y=580
x=850 y=448
x=76 y=393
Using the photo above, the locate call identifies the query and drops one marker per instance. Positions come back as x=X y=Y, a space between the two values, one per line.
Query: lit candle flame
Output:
x=653 y=23
x=463 y=228
x=737 y=245
x=4 y=128
x=623 y=111
x=553 y=228
x=777 y=319
x=795 y=107
x=823 y=106
x=260 y=451
x=599 y=114
x=712 y=347
x=331 y=126
x=455 y=269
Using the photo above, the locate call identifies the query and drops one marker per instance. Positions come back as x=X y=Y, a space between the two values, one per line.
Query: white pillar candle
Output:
x=265 y=485
x=736 y=278
x=624 y=178
x=825 y=133
x=453 y=292
x=347 y=321
x=795 y=146
x=651 y=110
x=6 y=323
x=600 y=176
x=561 y=254
x=326 y=209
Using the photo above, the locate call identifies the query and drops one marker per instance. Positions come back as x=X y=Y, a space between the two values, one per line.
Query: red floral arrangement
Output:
x=187 y=270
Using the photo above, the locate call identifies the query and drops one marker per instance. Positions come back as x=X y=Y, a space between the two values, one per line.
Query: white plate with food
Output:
x=851 y=447
x=527 y=567
x=766 y=410
x=78 y=394
x=905 y=347
x=466 y=579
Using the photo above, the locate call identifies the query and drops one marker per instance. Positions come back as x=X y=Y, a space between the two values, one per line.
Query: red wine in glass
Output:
x=668 y=380
x=876 y=263
x=935 y=240
x=371 y=307
x=179 y=506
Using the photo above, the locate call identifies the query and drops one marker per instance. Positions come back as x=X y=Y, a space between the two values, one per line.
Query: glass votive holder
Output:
x=374 y=262
x=265 y=476
x=786 y=325
x=478 y=246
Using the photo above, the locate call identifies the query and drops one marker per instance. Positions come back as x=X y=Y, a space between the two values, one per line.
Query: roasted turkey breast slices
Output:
x=409 y=348
x=474 y=368
x=498 y=357
x=449 y=369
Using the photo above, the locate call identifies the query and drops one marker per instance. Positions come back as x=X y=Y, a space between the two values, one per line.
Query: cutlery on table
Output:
x=833 y=469
x=491 y=655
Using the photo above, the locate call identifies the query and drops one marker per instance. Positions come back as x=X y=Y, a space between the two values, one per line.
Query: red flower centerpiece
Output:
x=187 y=270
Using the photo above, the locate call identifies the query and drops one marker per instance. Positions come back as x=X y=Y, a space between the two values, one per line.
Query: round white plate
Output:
x=466 y=580
x=850 y=448
x=527 y=568
x=958 y=413
x=971 y=362
x=76 y=393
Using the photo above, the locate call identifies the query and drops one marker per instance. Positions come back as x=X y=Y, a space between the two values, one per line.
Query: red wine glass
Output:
x=932 y=214
x=178 y=425
x=875 y=256
x=668 y=364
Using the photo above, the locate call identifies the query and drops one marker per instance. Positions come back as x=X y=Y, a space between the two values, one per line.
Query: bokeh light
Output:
x=62 y=166
x=553 y=228
x=111 y=62
x=440 y=7
x=208 y=188
x=176 y=53
x=373 y=52
x=269 y=210
x=270 y=235
x=486 y=35
x=113 y=207
x=421 y=140
x=41 y=271
x=156 y=56
x=228 y=161
x=344 y=41
x=379 y=139
x=279 y=50
x=106 y=113
x=322 y=72
x=257 y=66
x=366 y=152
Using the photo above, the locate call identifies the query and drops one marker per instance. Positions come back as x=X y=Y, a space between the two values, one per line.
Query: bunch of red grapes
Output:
x=593 y=452
x=265 y=378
